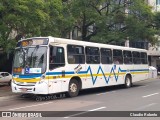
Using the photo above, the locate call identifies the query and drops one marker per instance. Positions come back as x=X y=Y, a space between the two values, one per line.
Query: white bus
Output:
x=48 y=65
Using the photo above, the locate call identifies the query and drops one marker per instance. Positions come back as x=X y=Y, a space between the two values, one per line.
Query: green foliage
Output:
x=27 y=18
x=97 y=20
x=113 y=20
x=156 y=23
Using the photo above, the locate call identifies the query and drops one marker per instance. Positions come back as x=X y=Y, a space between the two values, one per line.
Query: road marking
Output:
x=97 y=109
x=101 y=93
x=144 y=86
x=150 y=95
x=30 y=106
x=105 y=93
x=146 y=106
x=85 y=112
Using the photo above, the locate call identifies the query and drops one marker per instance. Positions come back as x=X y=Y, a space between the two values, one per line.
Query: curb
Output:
x=7 y=97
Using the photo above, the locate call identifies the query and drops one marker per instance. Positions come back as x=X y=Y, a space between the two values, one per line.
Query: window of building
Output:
x=57 y=58
x=136 y=58
x=117 y=57
x=106 y=56
x=127 y=57
x=75 y=54
x=6 y=74
x=92 y=55
x=157 y=2
x=144 y=58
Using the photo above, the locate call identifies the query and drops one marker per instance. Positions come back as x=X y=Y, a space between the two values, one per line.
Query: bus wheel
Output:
x=128 y=82
x=73 y=89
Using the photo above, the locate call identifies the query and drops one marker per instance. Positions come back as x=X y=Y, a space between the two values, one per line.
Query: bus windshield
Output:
x=30 y=60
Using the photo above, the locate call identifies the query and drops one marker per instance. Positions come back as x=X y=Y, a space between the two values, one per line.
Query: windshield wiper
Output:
x=32 y=54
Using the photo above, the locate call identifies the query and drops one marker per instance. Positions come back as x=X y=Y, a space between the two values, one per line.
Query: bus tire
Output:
x=73 y=88
x=128 y=82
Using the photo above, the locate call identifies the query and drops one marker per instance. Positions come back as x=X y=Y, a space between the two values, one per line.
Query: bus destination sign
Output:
x=32 y=42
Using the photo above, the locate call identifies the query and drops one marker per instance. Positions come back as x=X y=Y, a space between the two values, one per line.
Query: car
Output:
x=5 y=77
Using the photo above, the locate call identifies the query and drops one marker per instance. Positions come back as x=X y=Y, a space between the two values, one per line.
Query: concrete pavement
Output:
x=143 y=96
x=5 y=90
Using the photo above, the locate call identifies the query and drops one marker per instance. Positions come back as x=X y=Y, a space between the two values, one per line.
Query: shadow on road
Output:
x=105 y=89
x=31 y=97
x=3 y=85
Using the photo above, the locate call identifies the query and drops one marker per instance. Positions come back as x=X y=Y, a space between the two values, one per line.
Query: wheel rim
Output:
x=128 y=82
x=73 y=87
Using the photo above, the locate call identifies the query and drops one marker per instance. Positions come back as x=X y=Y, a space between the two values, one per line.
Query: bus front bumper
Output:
x=38 y=88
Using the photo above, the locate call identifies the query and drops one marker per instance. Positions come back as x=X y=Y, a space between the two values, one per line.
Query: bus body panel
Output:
x=91 y=75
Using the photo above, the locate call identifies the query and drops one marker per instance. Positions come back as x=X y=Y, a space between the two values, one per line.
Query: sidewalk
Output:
x=5 y=90
x=6 y=93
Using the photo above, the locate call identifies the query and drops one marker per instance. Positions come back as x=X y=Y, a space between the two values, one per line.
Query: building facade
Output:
x=154 y=50
x=155 y=4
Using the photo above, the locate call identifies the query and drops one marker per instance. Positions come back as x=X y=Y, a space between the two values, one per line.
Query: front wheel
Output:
x=73 y=88
x=128 y=82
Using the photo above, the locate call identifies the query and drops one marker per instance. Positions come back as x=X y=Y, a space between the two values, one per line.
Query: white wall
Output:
x=153 y=4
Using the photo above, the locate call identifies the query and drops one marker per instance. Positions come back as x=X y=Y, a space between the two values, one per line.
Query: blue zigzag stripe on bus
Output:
x=89 y=70
x=100 y=69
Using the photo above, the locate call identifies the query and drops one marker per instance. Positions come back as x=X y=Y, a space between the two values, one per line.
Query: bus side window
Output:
x=92 y=55
x=136 y=57
x=144 y=58
x=127 y=57
x=117 y=57
x=56 y=57
x=106 y=56
x=75 y=54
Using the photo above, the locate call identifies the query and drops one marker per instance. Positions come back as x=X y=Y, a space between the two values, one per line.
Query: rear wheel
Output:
x=73 y=88
x=128 y=82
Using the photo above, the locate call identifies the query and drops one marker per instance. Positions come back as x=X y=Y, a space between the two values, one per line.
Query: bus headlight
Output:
x=13 y=81
x=42 y=79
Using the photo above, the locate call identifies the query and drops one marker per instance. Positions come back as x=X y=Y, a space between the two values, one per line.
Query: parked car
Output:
x=5 y=77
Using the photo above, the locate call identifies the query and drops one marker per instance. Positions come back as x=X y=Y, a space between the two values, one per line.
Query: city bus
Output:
x=49 y=65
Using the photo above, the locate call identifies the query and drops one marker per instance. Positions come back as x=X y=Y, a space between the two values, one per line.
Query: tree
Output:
x=85 y=16
x=18 y=18
x=156 y=23
x=139 y=21
x=112 y=20
x=58 y=23
x=26 y=18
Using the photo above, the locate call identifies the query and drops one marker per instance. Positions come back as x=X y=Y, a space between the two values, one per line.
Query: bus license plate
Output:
x=23 y=89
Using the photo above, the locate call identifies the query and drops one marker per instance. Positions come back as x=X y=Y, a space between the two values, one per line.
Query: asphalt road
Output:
x=143 y=96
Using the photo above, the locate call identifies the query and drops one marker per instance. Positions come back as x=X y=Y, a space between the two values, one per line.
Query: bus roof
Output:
x=84 y=43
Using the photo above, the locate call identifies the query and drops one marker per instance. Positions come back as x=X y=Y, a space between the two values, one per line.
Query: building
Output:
x=154 y=51
x=155 y=5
